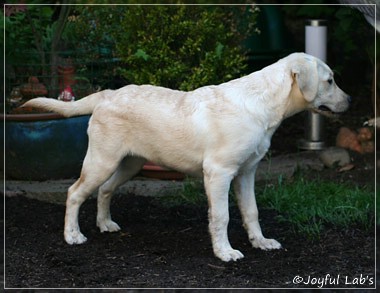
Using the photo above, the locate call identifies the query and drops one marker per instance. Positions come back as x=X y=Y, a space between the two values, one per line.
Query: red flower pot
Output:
x=151 y=170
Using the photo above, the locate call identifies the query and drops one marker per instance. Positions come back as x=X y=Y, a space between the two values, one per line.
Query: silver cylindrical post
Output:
x=316 y=45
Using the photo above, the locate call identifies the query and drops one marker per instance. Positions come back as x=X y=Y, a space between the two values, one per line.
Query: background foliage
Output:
x=181 y=47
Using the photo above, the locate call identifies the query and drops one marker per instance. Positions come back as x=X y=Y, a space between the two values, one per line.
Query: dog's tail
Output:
x=83 y=106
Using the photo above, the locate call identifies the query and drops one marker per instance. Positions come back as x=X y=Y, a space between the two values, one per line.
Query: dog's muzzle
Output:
x=340 y=108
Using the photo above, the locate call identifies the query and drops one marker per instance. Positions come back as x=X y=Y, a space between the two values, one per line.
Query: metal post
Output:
x=316 y=45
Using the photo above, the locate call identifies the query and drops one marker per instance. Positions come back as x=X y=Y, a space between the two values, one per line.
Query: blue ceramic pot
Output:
x=44 y=146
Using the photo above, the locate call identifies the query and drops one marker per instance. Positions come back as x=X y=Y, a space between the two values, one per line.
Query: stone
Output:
x=335 y=157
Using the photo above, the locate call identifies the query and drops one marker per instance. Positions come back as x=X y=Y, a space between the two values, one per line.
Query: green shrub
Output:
x=181 y=47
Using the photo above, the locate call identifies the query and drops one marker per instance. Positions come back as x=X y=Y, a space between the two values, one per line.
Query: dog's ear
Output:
x=306 y=75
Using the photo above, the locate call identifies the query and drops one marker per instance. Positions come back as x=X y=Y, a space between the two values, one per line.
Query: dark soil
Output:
x=166 y=247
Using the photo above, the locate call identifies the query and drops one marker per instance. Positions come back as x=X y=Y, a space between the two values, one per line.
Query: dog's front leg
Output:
x=217 y=184
x=244 y=190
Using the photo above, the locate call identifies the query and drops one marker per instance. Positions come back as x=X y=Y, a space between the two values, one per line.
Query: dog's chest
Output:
x=258 y=149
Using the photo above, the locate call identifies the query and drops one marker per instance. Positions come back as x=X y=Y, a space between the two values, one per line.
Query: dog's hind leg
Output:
x=95 y=171
x=128 y=168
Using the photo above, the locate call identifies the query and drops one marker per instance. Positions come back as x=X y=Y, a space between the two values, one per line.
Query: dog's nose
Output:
x=349 y=99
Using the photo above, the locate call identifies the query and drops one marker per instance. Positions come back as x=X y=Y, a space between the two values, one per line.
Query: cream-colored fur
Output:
x=218 y=132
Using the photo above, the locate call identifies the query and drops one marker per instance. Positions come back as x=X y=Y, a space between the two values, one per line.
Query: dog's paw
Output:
x=108 y=226
x=229 y=254
x=75 y=237
x=266 y=244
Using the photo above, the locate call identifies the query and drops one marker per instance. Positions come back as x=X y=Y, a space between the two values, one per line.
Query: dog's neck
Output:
x=290 y=104
x=296 y=102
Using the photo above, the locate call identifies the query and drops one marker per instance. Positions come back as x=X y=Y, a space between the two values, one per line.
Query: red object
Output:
x=69 y=90
x=67 y=95
x=151 y=170
x=66 y=76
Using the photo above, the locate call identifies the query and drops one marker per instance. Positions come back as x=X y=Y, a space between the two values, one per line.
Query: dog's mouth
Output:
x=326 y=111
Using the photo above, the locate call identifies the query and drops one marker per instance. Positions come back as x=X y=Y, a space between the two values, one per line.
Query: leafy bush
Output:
x=181 y=47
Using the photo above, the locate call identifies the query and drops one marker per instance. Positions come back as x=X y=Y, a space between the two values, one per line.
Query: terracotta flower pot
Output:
x=151 y=170
x=33 y=88
x=66 y=76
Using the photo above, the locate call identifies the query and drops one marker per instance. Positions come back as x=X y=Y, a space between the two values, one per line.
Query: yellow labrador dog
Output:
x=219 y=132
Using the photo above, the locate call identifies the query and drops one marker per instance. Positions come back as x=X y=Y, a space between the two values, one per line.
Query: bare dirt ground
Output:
x=169 y=247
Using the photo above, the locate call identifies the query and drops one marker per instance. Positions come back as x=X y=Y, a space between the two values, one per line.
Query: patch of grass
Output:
x=192 y=193
x=310 y=205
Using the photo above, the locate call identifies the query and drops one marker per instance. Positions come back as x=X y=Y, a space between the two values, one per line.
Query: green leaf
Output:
x=141 y=54
x=219 y=50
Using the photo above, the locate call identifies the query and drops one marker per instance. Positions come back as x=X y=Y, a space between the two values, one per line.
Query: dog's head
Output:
x=316 y=82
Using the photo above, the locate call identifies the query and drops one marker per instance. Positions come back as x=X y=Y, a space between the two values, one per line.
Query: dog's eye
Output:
x=330 y=81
